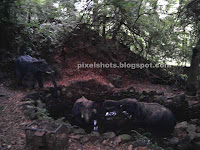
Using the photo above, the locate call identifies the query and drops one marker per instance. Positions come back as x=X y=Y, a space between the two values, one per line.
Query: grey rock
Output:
x=195 y=121
x=143 y=98
x=182 y=125
x=191 y=136
x=130 y=147
x=173 y=141
x=160 y=99
x=117 y=141
x=105 y=142
x=125 y=138
x=191 y=128
x=140 y=143
x=79 y=131
x=84 y=139
x=180 y=133
x=71 y=130
x=76 y=136
x=97 y=142
x=96 y=134
x=40 y=104
x=109 y=135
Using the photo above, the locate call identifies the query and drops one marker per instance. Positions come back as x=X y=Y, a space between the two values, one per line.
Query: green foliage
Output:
x=183 y=76
x=49 y=25
x=150 y=29
x=43 y=114
x=157 y=32
x=37 y=27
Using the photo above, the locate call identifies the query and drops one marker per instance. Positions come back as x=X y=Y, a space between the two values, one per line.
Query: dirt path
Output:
x=12 y=120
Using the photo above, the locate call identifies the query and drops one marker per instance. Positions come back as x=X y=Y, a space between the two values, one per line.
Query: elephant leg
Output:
x=19 y=77
x=39 y=79
x=33 y=80
x=54 y=83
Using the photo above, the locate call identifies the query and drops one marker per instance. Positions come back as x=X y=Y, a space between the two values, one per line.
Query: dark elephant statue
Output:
x=28 y=65
x=83 y=110
x=150 y=115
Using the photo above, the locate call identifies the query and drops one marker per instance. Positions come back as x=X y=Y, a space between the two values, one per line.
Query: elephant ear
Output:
x=36 y=65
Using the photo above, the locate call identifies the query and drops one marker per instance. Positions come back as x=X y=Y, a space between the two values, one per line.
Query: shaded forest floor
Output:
x=13 y=121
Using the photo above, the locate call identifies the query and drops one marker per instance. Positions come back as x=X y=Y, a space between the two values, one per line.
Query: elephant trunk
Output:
x=55 y=85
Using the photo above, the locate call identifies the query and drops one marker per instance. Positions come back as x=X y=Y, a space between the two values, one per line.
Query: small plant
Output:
x=146 y=137
x=60 y=120
x=43 y=114
x=184 y=76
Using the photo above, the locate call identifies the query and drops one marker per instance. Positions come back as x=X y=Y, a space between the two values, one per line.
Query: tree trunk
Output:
x=192 y=83
x=4 y=43
x=104 y=29
x=29 y=16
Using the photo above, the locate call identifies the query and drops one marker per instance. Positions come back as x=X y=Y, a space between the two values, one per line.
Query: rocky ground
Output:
x=73 y=84
x=13 y=121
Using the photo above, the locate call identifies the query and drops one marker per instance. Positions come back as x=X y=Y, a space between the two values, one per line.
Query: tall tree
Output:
x=193 y=12
x=149 y=28
x=5 y=22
